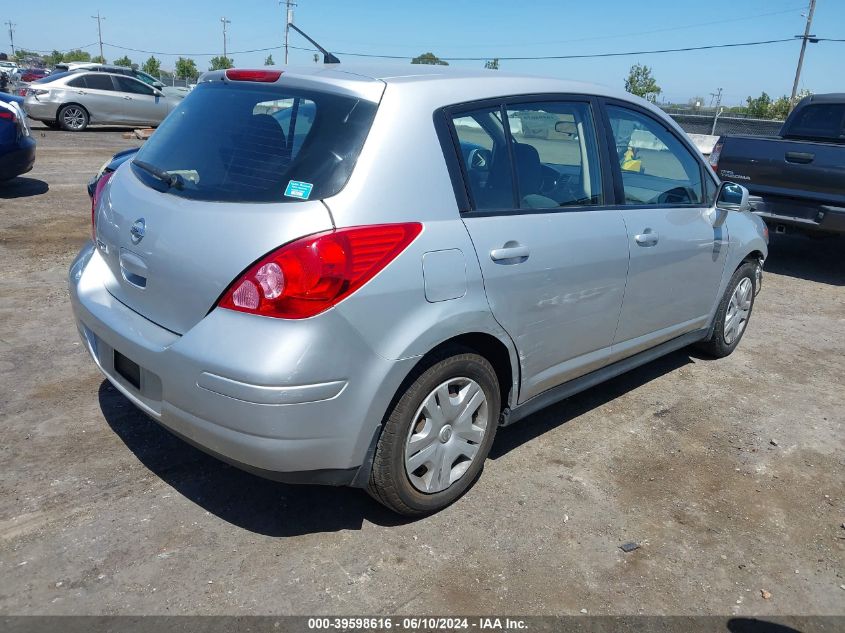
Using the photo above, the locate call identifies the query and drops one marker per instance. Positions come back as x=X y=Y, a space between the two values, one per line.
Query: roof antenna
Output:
x=328 y=58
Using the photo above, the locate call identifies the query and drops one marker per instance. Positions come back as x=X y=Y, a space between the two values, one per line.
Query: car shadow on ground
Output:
x=277 y=509
x=22 y=187
x=240 y=498
x=814 y=259
x=512 y=437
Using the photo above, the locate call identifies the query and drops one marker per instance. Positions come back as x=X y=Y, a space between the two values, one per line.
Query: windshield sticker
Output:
x=297 y=189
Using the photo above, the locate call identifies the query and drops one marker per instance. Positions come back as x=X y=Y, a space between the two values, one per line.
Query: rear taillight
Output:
x=312 y=274
x=8 y=116
x=98 y=189
x=263 y=76
x=714 y=157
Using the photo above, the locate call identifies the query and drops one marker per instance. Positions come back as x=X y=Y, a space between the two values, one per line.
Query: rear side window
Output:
x=258 y=143
x=656 y=167
x=76 y=82
x=825 y=120
x=554 y=149
x=97 y=81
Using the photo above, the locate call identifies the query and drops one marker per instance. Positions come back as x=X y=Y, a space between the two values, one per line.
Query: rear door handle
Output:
x=802 y=158
x=647 y=238
x=511 y=250
x=127 y=97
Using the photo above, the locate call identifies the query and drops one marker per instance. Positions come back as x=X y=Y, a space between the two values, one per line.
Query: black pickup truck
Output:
x=797 y=179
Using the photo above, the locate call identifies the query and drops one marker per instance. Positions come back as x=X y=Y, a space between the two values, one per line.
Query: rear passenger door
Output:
x=554 y=257
x=677 y=254
x=101 y=99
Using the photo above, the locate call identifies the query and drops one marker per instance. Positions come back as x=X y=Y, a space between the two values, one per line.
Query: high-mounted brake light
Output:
x=95 y=199
x=264 y=76
x=312 y=274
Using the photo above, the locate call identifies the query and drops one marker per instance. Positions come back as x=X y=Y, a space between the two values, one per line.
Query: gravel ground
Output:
x=729 y=474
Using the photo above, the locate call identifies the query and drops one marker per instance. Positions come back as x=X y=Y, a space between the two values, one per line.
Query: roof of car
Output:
x=451 y=83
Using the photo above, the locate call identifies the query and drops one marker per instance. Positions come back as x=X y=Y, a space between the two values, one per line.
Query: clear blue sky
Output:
x=492 y=28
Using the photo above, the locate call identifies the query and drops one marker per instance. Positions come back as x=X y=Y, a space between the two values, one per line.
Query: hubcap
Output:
x=740 y=305
x=445 y=435
x=73 y=118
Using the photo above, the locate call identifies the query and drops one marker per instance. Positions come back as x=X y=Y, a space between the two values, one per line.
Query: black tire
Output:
x=716 y=345
x=82 y=117
x=389 y=483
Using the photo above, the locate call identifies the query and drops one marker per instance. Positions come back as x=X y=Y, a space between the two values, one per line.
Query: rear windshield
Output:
x=256 y=143
x=822 y=121
x=51 y=77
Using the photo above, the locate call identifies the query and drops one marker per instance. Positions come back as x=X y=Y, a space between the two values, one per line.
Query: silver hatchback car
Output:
x=354 y=277
x=73 y=100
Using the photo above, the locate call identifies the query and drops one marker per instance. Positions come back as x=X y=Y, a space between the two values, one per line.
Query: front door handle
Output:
x=511 y=250
x=127 y=97
x=647 y=238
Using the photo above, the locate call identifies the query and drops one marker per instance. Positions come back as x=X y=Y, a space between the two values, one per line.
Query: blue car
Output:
x=17 y=147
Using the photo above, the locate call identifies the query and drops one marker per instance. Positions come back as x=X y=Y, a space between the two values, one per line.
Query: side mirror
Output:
x=158 y=85
x=732 y=197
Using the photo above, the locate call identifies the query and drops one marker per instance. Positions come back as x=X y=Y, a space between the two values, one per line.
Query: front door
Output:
x=553 y=257
x=677 y=255
x=141 y=103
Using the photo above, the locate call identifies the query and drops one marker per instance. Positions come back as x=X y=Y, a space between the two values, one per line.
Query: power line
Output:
x=485 y=57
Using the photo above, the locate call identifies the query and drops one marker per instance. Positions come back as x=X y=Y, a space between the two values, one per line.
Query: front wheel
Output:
x=437 y=435
x=73 y=118
x=733 y=313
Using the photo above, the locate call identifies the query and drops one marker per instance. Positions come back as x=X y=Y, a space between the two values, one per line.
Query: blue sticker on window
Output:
x=297 y=189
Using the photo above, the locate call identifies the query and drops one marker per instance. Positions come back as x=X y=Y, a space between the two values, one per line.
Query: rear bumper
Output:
x=797 y=214
x=18 y=161
x=40 y=111
x=205 y=386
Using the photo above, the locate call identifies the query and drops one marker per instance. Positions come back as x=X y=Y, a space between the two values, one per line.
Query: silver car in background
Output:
x=355 y=277
x=73 y=100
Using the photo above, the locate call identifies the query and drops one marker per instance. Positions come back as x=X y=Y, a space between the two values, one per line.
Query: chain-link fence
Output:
x=716 y=122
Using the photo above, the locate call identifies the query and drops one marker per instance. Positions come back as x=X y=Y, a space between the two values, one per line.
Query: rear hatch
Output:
x=237 y=169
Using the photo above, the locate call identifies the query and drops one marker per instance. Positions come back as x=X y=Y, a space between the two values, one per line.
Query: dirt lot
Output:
x=731 y=474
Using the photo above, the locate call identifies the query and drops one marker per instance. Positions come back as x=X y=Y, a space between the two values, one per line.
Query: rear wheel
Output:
x=734 y=312
x=437 y=435
x=73 y=118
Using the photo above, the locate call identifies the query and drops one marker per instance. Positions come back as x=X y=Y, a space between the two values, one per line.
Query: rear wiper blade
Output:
x=171 y=180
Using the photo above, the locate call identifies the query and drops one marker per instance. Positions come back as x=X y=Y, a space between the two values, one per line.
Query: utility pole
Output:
x=99 y=19
x=12 y=35
x=225 y=23
x=289 y=5
x=806 y=37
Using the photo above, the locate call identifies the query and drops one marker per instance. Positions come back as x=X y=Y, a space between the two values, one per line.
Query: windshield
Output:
x=256 y=143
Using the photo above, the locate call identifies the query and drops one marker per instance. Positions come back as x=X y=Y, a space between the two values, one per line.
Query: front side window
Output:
x=554 y=150
x=127 y=84
x=657 y=169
